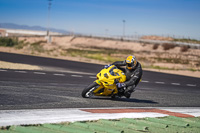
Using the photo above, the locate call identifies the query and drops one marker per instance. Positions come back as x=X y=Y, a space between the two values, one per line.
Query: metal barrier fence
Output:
x=137 y=39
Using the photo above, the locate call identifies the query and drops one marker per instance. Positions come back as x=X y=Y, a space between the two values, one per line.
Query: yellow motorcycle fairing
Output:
x=107 y=79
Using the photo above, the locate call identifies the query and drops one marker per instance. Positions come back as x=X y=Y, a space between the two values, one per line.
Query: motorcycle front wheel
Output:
x=88 y=91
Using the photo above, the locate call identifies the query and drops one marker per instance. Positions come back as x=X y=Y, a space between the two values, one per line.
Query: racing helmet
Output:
x=131 y=62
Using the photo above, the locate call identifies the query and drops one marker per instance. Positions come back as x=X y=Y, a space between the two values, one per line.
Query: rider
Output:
x=133 y=72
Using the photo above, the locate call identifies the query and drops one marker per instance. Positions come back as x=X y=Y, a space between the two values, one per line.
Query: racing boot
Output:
x=128 y=91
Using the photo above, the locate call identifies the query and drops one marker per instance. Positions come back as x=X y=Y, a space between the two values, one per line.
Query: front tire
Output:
x=88 y=91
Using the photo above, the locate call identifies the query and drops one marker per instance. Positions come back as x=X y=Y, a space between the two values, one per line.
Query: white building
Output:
x=18 y=32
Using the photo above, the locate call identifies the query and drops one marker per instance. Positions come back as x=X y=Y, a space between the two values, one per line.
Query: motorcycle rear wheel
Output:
x=88 y=91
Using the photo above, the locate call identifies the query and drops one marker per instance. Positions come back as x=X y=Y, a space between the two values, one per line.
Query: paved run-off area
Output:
x=102 y=120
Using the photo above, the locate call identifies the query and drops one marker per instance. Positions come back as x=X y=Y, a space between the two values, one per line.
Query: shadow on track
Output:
x=127 y=100
x=135 y=100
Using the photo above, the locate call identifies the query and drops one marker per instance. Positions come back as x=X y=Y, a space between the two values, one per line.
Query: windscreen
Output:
x=111 y=71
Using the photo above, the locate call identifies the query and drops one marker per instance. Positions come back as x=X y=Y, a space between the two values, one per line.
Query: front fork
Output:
x=98 y=90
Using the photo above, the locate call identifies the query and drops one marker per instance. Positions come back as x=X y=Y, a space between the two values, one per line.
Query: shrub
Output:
x=155 y=46
x=167 y=46
x=8 y=42
x=36 y=46
x=184 y=48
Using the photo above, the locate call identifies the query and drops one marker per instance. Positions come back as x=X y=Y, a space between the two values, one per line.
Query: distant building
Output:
x=3 y=33
x=18 y=32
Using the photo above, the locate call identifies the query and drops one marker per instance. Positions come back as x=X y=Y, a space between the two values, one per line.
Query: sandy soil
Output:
x=18 y=66
x=144 y=52
x=157 y=38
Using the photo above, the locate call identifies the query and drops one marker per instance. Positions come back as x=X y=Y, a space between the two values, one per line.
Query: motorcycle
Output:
x=105 y=84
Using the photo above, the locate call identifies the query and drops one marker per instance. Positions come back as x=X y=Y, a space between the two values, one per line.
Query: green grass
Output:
x=187 y=40
x=110 y=56
x=105 y=58
x=12 y=42
x=173 y=60
x=99 y=50
x=166 y=68
x=169 y=124
x=101 y=55
x=8 y=41
x=37 y=47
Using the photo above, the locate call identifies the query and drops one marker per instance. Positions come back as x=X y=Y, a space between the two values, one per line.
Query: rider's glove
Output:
x=107 y=66
x=120 y=85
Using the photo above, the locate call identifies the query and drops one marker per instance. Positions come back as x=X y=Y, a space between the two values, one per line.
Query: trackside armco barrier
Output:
x=192 y=45
x=137 y=39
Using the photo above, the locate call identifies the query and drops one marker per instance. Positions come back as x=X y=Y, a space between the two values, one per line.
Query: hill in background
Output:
x=26 y=27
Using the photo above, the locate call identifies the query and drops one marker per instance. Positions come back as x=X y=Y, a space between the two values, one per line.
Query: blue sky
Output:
x=179 y=18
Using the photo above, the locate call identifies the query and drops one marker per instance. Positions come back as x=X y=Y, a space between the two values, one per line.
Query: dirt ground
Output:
x=153 y=57
x=18 y=66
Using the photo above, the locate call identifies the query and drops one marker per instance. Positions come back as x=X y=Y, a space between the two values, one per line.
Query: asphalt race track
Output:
x=61 y=82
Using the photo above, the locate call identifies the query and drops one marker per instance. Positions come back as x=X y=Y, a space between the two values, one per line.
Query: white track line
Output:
x=77 y=76
x=3 y=70
x=145 y=81
x=175 y=83
x=39 y=73
x=92 y=77
x=56 y=74
x=160 y=82
x=21 y=71
x=191 y=85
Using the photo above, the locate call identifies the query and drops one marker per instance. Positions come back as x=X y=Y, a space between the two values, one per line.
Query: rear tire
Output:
x=88 y=91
